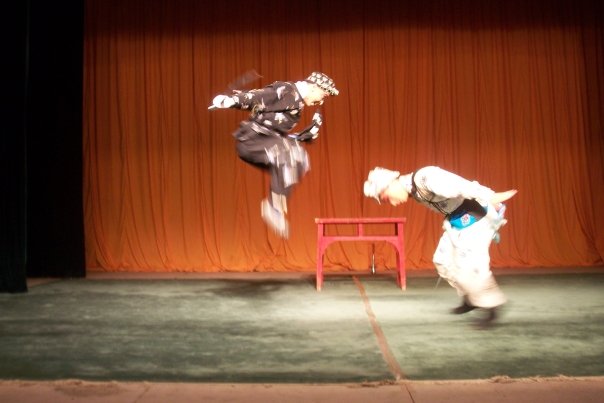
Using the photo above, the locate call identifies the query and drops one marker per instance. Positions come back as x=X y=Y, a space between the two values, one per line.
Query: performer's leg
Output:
x=253 y=148
x=444 y=260
x=443 y=257
x=288 y=162
x=479 y=283
x=475 y=275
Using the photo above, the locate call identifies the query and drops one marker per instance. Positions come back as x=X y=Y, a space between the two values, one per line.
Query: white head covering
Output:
x=378 y=180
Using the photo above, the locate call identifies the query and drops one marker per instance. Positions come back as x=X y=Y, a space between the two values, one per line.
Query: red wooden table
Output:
x=396 y=240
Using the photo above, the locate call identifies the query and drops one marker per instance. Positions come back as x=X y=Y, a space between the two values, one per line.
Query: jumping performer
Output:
x=265 y=141
x=473 y=215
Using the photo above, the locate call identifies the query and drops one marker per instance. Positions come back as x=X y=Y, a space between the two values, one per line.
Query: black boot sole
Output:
x=465 y=308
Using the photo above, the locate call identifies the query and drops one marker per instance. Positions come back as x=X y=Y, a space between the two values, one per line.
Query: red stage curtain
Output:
x=507 y=93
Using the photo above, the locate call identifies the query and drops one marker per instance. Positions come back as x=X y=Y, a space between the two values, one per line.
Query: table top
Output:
x=360 y=220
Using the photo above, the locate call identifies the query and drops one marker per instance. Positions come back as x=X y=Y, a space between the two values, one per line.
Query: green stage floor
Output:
x=280 y=330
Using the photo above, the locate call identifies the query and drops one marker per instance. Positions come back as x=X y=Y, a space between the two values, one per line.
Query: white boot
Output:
x=274 y=218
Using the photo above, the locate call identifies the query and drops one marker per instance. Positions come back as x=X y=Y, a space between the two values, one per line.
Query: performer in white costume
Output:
x=473 y=216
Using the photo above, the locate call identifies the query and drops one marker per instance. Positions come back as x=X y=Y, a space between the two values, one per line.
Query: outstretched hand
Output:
x=503 y=196
x=222 y=101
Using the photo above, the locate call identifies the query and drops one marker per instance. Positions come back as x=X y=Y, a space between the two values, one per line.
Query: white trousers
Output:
x=462 y=258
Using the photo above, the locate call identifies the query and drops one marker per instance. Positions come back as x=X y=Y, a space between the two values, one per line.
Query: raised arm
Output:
x=244 y=100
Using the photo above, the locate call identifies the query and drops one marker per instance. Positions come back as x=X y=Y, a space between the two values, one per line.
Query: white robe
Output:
x=462 y=256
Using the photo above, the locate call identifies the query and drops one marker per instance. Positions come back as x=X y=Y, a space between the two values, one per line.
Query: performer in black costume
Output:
x=265 y=141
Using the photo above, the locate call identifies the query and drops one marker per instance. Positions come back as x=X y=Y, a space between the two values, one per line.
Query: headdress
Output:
x=378 y=180
x=324 y=82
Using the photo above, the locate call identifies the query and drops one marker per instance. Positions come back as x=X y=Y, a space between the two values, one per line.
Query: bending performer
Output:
x=473 y=215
